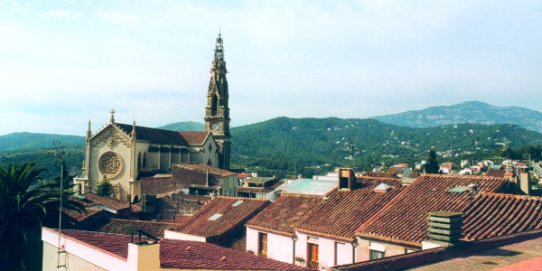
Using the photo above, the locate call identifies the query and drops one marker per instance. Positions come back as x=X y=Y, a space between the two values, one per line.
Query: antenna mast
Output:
x=59 y=153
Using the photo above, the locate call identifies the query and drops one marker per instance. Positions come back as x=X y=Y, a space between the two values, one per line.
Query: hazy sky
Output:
x=65 y=62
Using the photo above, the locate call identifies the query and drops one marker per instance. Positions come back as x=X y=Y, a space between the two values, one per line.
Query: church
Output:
x=122 y=154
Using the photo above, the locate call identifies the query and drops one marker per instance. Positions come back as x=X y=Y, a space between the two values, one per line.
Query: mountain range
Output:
x=467 y=112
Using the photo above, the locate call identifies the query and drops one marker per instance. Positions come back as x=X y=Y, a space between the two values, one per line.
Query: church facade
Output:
x=122 y=154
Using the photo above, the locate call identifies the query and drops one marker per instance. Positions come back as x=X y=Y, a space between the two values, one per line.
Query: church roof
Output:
x=194 y=137
x=154 y=135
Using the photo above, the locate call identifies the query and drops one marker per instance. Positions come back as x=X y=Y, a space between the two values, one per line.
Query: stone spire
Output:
x=89 y=131
x=217 y=111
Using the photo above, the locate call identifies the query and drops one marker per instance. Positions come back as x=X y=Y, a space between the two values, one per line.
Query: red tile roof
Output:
x=181 y=254
x=231 y=216
x=496 y=173
x=120 y=226
x=403 y=220
x=194 y=137
x=199 y=255
x=491 y=215
x=202 y=168
x=344 y=211
x=91 y=200
x=285 y=214
x=84 y=215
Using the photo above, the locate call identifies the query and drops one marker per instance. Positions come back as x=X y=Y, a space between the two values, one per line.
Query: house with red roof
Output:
x=492 y=224
x=221 y=222
x=327 y=236
x=271 y=233
x=82 y=250
x=401 y=226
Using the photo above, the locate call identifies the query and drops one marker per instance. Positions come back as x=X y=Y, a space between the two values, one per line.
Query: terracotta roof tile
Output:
x=234 y=212
x=82 y=216
x=202 y=168
x=120 y=226
x=92 y=200
x=194 y=137
x=285 y=214
x=181 y=254
x=492 y=215
x=403 y=220
x=344 y=211
x=495 y=173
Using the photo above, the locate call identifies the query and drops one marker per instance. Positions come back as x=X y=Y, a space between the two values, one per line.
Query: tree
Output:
x=104 y=188
x=432 y=165
x=26 y=200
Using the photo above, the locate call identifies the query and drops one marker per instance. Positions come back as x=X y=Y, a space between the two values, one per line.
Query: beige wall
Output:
x=389 y=249
x=72 y=262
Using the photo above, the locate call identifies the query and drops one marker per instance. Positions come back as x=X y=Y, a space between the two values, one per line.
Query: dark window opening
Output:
x=214 y=105
x=375 y=254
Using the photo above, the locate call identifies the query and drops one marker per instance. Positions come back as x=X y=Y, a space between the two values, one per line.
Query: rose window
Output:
x=110 y=164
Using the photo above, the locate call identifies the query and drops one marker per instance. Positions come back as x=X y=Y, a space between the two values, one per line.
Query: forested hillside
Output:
x=290 y=146
x=285 y=146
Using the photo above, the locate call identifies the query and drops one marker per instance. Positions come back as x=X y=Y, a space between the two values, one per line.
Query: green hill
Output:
x=467 y=112
x=20 y=141
x=184 y=126
x=288 y=146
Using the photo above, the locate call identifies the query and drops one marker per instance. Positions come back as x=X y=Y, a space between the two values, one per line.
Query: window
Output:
x=215 y=217
x=312 y=255
x=262 y=244
x=375 y=254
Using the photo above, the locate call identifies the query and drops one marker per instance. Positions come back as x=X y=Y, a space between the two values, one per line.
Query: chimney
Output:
x=143 y=256
x=524 y=183
x=443 y=229
x=347 y=179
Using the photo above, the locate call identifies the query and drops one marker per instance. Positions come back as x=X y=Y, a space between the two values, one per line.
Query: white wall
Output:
x=326 y=250
x=183 y=236
x=279 y=247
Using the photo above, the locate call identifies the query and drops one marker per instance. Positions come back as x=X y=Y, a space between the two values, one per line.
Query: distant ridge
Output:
x=24 y=140
x=184 y=126
x=467 y=112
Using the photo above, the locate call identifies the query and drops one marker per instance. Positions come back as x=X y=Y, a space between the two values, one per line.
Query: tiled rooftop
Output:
x=492 y=214
x=344 y=211
x=285 y=214
x=514 y=252
x=93 y=200
x=194 y=137
x=120 y=226
x=204 y=168
x=181 y=254
x=234 y=212
x=403 y=220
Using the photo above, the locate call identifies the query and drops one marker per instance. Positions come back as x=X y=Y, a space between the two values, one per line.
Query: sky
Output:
x=63 y=63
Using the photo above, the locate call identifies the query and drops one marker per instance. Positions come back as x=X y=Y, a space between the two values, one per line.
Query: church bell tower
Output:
x=217 y=111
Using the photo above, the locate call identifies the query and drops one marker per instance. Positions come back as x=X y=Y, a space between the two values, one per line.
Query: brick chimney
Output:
x=347 y=179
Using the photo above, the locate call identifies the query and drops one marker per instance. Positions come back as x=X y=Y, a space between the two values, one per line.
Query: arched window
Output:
x=214 y=105
x=139 y=161
x=144 y=159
